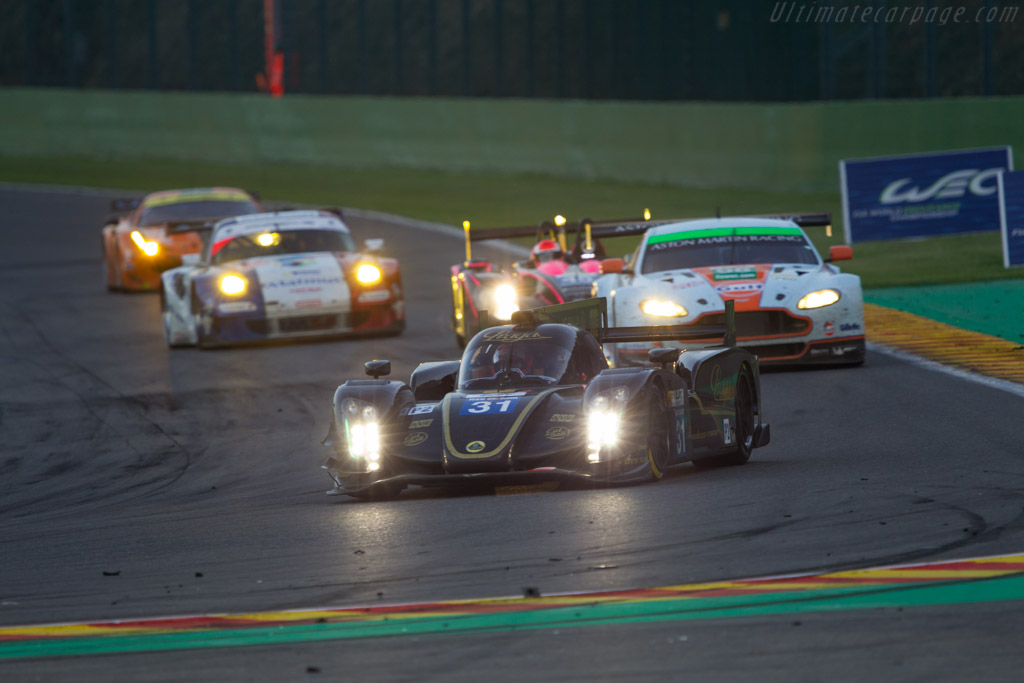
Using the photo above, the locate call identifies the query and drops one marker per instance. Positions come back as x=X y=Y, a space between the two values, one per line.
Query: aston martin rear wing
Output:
x=592 y=316
x=627 y=228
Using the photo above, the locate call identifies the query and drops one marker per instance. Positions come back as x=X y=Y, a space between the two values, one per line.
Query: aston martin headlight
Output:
x=662 y=309
x=148 y=248
x=506 y=301
x=233 y=285
x=368 y=274
x=822 y=297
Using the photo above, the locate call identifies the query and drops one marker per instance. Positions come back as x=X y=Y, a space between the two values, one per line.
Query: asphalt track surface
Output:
x=140 y=482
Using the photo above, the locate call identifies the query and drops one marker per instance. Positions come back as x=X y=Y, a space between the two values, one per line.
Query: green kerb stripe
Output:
x=720 y=232
x=592 y=614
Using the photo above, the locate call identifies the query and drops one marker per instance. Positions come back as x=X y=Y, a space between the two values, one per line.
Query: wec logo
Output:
x=951 y=185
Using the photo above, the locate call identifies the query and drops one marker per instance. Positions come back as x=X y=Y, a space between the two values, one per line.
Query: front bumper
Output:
x=370 y=484
x=239 y=329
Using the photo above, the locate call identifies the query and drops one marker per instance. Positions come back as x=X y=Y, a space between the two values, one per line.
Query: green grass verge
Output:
x=493 y=200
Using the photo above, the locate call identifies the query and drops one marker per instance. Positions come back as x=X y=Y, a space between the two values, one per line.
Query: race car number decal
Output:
x=420 y=410
x=489 y=406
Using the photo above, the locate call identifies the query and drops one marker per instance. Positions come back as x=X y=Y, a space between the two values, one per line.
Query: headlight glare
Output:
x=602 y=430
x=148 y=248
x=822 y=297
x=621 y=394
x=368 y=274
x=364 y=441
x=662 y=309
x=506 y=301
x=233 y=285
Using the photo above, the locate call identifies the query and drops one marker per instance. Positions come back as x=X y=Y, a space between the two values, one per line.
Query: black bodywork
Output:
x=496 y=416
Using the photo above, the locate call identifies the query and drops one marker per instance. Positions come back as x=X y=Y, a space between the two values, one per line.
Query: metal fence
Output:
x=726 y=50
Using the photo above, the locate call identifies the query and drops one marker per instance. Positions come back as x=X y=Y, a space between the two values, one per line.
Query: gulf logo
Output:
x=739 y=288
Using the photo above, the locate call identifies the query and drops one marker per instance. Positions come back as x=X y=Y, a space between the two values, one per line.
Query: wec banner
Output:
x=1011 y=217
x=920 y=195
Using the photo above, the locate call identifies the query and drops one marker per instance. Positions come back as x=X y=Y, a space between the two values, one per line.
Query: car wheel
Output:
x=167 y=318
x=108 y=274
x=659 y=436
x=116 y=282
x=744 y=429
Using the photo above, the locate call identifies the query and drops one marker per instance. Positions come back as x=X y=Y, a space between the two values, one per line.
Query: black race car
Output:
x=535 y=402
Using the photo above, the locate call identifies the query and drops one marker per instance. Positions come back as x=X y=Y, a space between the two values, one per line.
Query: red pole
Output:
x=274 y=68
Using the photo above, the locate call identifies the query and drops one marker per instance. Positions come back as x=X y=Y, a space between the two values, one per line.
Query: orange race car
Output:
x=146 y=237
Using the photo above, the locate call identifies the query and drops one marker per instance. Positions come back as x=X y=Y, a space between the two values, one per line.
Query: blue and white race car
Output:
x=792 y=306
x=284 y=275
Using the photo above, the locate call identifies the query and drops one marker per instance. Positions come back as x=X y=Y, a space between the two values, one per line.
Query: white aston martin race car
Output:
x=792 y=307
x=283 y=275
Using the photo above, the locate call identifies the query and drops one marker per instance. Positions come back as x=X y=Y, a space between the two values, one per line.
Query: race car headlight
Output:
x=368 y=274
x=148 y=248
x=362 y=430
x=822 y=297
x=268 y=239
x=506 y=301
x=602 y=432
x=364 y=442
x=662 y=309
x=233 y=285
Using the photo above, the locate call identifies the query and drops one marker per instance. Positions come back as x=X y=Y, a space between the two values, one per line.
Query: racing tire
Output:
x=116 y=284
x=166 y=315
x=744 y=430
x=659 y=436
x=108 y=276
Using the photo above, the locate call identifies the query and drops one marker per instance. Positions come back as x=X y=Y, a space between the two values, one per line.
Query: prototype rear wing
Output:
x=592 y=316
x=555 y=229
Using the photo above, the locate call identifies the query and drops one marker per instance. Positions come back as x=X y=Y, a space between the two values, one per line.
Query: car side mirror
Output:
x=612 y=265
x=840 y=252
x=376 y=368
x=191 y=259
x=663 y=356
x=374 y=245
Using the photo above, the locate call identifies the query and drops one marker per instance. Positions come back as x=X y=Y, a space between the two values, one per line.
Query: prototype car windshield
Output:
x=196 y=211
x=503 y=358
x=273 y=243
x=725 y=247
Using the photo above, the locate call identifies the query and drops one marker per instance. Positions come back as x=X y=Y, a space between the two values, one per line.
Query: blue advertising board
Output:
x=1011 y=217
x=921 y=195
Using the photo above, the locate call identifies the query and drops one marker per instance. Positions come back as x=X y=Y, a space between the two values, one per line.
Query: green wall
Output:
x=781 y=147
